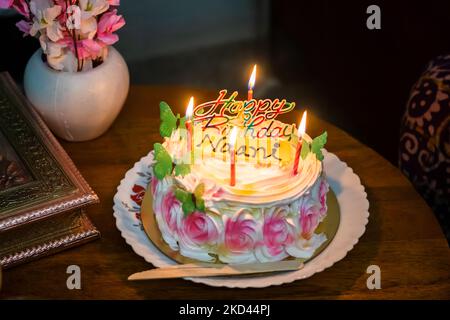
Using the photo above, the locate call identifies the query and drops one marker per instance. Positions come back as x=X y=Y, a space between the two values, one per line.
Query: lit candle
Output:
x=300 y=132
x=233 y=136
x=190 y=128
x=251 y=84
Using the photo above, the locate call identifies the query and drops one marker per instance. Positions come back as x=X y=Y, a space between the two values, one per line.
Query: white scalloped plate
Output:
x=346 y=185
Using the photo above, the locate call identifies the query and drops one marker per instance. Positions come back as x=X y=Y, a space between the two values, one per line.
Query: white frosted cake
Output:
x=269 y=214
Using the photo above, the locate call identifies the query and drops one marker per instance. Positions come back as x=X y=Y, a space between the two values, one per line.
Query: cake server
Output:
x=213 y=270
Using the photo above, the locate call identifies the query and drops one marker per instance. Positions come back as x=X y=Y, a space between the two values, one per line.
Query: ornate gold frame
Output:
x=57 y=185
x=43 y=214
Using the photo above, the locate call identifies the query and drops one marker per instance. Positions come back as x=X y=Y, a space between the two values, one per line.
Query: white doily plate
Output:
x=345 y=183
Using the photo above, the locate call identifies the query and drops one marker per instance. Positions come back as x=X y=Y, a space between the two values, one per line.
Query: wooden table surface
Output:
x=403 y=237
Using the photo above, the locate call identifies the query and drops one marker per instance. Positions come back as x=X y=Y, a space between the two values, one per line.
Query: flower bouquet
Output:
x=77 y=80
x=74 y=34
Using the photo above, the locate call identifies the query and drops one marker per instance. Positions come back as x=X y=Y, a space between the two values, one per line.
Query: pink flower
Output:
x=64 y=4
x=5 y=4
x=44 y=20
x=88 y=49
x=92 y=8
x=168 y=212
x=166 y=206
x=109 y=23
x=323 y=190
x=170 y=207
x=85 y=49
x=24 y=26
x=319 y=194
x=313 y=208
x=73 y=20
x=20 y=6
x=199 y=228
x=277 y=233
x=114 y=2
x=240 y=233
x=310 y=217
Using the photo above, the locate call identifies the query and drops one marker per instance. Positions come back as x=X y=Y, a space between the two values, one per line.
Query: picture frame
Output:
x=48 y=181
x=42 y=193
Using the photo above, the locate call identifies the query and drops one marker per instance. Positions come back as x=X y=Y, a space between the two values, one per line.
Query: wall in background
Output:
x=359 y=79
x=161 y=27
x=164 y=37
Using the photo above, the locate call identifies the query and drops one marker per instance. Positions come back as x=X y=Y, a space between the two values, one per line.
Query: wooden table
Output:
x=402 y=236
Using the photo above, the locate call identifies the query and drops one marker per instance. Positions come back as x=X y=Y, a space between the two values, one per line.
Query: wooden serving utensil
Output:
x=213 y=270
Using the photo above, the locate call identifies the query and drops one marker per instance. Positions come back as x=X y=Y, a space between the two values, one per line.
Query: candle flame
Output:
x=251 y=82
x=302 y=127
x=190 y=109
x=233 y=136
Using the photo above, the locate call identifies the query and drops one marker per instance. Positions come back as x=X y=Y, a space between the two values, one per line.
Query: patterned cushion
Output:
x=424 y=152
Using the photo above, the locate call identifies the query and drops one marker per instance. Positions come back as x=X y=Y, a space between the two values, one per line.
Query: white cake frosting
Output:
x=269 y=215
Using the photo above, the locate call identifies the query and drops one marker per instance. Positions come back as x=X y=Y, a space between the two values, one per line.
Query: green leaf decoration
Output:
x=168 y=120
x=305 y=150
x=187 y=199
x=188 y=206
x=182 y=169
x=317 y=144
x=181 y=195
x=163 y=162
x=200 y=204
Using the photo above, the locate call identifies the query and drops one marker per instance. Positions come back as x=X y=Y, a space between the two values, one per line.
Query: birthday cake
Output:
x=232 y=184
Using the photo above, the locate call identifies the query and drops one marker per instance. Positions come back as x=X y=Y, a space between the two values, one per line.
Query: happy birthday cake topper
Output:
x=235 y=130
x=222 y=110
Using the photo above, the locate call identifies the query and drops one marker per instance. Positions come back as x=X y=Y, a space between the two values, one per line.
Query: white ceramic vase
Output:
x=78 y=106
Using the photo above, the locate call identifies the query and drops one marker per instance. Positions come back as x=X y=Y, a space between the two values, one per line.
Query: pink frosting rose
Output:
x=167 y=210
x=313 y=208
x=199 y=228
x=277 y=232
x=170 y=207
x=323 y=190
x=240 y=233
x=310 y=217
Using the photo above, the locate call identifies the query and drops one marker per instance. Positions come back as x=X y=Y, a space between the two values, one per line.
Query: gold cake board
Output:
x=329 y=226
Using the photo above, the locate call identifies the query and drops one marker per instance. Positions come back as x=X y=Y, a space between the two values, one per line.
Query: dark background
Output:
x=361 y=78
x=319 y=53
